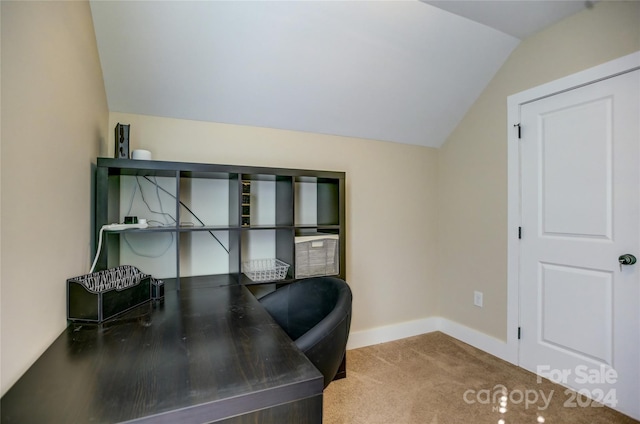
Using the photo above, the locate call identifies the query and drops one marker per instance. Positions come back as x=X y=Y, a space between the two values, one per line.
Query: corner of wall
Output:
x=63 y=93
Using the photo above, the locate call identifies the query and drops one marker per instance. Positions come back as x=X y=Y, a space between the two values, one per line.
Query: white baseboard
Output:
x=388 y=333
x=477 y=339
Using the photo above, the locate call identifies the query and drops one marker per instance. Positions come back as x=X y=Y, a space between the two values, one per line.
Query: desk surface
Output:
x=201 y=355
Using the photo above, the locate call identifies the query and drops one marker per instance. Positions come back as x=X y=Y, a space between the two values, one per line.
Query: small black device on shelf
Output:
x=122 y=141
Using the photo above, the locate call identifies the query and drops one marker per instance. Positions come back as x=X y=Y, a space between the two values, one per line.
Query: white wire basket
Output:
x=261 y=270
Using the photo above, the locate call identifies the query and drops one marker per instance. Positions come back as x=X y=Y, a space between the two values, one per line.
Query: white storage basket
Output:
x=262 y=270
x=317 y=255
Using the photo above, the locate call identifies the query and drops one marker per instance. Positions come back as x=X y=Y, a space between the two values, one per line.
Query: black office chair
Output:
x=316 y=314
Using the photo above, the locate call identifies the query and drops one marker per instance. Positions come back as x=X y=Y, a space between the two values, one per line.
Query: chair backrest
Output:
x=316 y=314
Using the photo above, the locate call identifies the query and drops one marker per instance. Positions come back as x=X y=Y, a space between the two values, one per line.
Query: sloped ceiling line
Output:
x=400 y=71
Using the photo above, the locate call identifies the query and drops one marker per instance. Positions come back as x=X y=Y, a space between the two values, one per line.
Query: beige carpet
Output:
x=435 y=379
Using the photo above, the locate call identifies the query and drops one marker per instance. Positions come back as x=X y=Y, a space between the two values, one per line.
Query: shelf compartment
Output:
x=206 y=253
x=268 y=201
x=330 y=207
x=268 y=243
x=258 y=244
x=208 y=201
x=152 y=252
x=317 y=201
x=152 y=198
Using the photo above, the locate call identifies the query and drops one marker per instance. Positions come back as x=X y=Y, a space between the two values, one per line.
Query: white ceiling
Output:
x=401 y=71
x=520 y=18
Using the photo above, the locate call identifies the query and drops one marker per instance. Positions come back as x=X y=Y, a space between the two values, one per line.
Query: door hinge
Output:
x=519 y=130
x=519 y=232
x=519 y=333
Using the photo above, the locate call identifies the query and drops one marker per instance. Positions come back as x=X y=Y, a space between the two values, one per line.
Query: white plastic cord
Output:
x=99 y=249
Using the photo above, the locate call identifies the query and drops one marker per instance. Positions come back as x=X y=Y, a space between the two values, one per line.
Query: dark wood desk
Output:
x=203 y=355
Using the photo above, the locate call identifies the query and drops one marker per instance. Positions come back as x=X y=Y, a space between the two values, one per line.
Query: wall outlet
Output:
x=477 y=298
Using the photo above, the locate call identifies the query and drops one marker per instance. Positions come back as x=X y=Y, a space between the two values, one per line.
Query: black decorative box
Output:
x=104 y=294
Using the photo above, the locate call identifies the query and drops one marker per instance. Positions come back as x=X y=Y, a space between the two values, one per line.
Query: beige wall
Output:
x=472 y=165
x=391 y=201
x=54 y=112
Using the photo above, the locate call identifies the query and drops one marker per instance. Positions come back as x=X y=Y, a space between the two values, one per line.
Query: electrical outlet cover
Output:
x=477 y=298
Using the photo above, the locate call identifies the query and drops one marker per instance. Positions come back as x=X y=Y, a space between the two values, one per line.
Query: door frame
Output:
x=601 y=72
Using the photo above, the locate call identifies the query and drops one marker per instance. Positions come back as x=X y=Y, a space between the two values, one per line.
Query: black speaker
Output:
x=122 y=141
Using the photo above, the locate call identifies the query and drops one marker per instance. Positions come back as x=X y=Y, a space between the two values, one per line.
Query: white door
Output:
x=580 y=185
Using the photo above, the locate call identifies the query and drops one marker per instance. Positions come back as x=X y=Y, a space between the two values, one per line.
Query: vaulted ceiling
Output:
x=400 y=71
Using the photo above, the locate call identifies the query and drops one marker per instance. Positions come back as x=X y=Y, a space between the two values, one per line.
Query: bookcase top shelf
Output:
x=207 y=170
